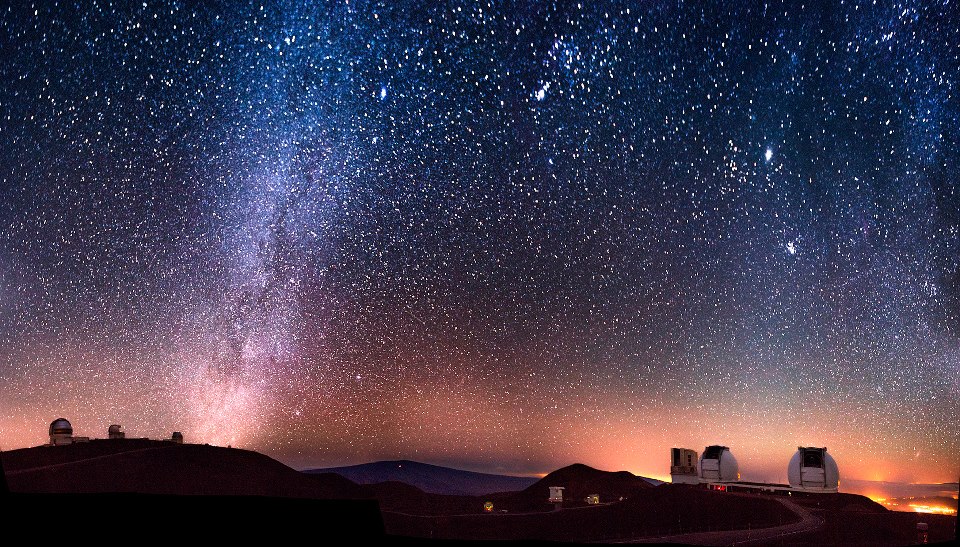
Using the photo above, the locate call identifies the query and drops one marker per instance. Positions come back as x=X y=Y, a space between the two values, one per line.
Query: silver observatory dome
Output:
x=717 y=464
x=61 y=426
x=811 y=468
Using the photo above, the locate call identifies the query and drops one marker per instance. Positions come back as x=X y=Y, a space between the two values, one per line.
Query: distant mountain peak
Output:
x=431 y=478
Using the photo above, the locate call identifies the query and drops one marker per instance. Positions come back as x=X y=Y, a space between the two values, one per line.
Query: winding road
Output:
x=808 y=523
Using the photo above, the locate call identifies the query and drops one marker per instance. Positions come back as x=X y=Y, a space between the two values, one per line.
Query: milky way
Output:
x=503 y=236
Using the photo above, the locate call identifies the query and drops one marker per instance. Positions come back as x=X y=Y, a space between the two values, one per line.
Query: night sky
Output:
x=505 y=237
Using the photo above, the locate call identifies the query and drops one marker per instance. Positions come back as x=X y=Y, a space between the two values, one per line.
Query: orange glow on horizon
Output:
x=904 y=504
x=932 y=509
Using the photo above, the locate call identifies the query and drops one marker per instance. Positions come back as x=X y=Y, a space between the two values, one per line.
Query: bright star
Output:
x=769 y=154
x=542 y=92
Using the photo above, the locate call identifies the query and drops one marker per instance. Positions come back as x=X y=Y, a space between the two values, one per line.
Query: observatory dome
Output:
x=717 y=464
x=811 y=468
x=61 y=426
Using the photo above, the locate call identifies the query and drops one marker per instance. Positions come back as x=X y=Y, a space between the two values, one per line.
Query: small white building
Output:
x=811 y=468
x=556 y=494
x=718 y=465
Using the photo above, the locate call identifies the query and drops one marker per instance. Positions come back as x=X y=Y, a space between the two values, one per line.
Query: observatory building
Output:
x=116 y=431
x=683 y=466
x=556 y=494
x=718 y=465
x=556 y=497
x=812 y=469
x=61 y=432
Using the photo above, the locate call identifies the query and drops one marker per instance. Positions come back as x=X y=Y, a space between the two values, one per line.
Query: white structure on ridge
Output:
x=811 y=468
x=61 y=433
x=717 y=464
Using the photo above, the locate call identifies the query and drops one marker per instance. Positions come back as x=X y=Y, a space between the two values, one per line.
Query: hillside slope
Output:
x=432 y=479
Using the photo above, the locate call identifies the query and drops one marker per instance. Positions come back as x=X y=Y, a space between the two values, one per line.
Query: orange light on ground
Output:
x=933 y=509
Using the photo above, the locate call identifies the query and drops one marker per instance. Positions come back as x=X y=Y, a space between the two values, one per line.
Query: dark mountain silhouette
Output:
x=159 y=467
x=429 y=478
x=137 y=486
x=201 y=492
x=578 y=481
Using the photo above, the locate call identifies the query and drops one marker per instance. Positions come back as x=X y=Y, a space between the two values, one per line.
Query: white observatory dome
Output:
x=61 y=426
x=811 y=468
x=717 y=464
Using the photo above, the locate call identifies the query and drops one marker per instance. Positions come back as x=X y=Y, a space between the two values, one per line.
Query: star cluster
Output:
x=506 y=236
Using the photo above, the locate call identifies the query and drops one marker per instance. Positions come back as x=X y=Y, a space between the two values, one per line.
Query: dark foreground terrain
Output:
x=122 y=518
x=139 y=488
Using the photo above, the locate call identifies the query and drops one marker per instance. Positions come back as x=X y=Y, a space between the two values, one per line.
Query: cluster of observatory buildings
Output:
x=811 y=469
x=61 y=433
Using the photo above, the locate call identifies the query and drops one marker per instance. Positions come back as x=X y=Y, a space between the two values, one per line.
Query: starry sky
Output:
x=503 y=236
